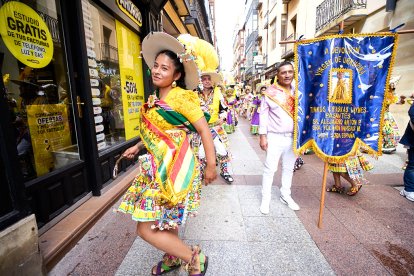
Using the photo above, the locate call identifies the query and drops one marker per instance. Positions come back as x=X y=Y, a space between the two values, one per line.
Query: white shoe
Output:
x=264 y=207
x=407 y=195
x=288 y=200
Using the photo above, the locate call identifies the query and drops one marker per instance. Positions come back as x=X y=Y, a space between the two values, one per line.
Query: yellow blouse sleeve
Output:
x=187 y=103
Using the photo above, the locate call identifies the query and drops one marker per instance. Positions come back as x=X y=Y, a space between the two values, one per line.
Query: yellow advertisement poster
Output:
x=25 y=34
x=130 y=69
x=49 y=131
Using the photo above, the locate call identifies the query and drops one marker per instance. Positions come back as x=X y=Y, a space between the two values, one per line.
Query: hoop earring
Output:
x=174 y=84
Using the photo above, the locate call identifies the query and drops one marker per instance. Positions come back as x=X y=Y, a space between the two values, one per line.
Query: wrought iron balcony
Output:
x=52 y=24
x=108 y=52
x=266 y=20
x=251 y=38
x=330 y=10
x=287 y=49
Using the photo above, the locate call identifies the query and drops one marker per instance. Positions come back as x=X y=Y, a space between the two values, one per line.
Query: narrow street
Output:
x=368 y=234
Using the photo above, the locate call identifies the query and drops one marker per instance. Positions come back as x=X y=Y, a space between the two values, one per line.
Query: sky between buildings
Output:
x=227 y=14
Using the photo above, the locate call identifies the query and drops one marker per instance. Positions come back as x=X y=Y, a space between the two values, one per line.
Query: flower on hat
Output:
x=152 y=99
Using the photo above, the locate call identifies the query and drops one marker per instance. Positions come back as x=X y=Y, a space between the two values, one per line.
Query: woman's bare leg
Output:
x=337 y=179
x=349 y=179
x=166 y=241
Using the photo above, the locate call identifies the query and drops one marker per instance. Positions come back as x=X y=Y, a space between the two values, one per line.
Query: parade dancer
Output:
x=168 y=185
x=351 y=170
x=390 y=131
x=247 y=104
x=211 y=99
x=231 y=118
x=276 y=136
x=254 y=124
x=212 y=102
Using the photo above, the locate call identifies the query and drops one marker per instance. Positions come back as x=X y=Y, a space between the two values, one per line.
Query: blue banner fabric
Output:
x=341 y=82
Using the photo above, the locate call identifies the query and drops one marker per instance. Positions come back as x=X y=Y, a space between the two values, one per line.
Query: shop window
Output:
x=115 y=70
x=38 y=91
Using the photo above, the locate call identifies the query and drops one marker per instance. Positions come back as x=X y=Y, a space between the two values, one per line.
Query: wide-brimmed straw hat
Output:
x=260 y=86
x=215 y=77
x=156 y=42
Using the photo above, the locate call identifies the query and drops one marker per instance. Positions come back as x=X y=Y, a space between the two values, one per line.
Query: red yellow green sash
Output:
x=175 y=160
x=282 y=97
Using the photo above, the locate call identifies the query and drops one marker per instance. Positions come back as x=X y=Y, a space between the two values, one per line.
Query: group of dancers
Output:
x=184 y=126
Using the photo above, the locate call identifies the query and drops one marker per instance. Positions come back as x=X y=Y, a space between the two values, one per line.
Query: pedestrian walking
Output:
x=168 y=185
x=276 y=136
x=408 y=141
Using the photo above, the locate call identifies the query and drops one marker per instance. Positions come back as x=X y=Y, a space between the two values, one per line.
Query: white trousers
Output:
x=278 y=145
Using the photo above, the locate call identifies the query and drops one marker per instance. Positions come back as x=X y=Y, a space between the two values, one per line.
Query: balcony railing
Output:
x=329 y=10
x=287 y=49
x=266 y=20
x=251 y=38
x=108 y=52
x=53 y=25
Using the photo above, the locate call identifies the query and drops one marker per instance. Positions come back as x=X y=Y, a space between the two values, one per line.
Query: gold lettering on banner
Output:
x=337 y=122
x=339 y=59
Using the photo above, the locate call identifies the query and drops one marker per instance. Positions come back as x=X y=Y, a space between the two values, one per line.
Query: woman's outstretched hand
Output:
x=132 y=151
x=210 y=174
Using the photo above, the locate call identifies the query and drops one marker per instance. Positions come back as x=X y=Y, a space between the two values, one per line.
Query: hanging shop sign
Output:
x=128 y=8
x=25 y=34
x=129 y=48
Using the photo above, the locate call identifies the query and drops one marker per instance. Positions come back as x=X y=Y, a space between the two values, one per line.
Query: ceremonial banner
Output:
x=341 y=82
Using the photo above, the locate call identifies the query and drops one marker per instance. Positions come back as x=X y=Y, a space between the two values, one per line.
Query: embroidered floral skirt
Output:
x=390 y=133
x=354 y=166
x=143 y=201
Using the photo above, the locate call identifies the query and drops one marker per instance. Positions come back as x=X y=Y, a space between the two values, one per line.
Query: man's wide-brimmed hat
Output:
x=155 y=42
x=260 y=86
x=215 y=77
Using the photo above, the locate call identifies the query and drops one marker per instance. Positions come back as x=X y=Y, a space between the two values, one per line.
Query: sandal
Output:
x=191 y=266
x=298 y=164
x=168 y=264
x=229 y=179
x=354 y=190
x=334 y=189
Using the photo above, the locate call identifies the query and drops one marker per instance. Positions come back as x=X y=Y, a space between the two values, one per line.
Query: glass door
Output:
x=38 y=91
x=42 y=108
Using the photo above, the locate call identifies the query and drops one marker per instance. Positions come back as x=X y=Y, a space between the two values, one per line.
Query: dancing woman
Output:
x=168 y=185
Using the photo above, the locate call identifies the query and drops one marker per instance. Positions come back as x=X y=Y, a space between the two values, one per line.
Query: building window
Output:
x=115 y=71
x=283 y=27
x=273 y=34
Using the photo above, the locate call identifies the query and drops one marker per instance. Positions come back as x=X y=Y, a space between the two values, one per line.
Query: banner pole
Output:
x=398 y=32
x=322 y=204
